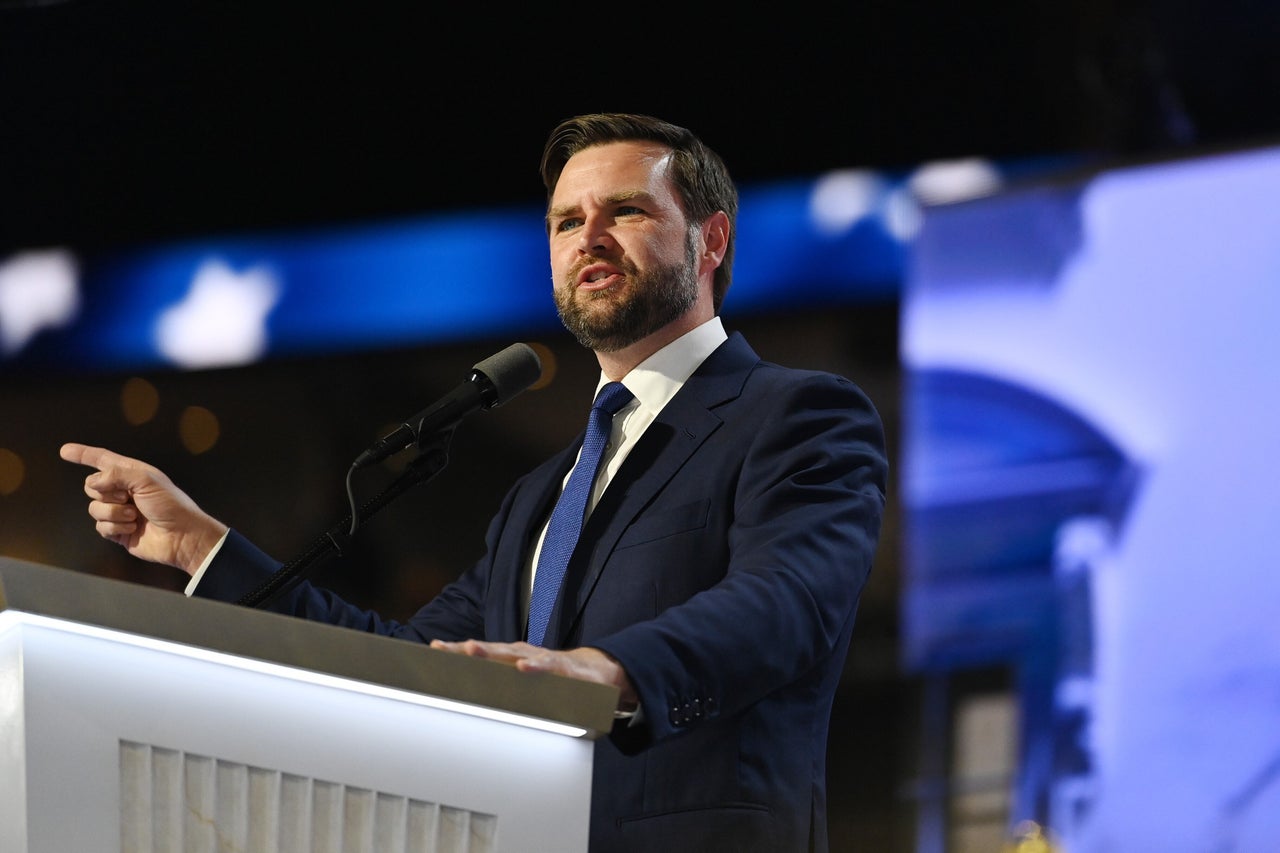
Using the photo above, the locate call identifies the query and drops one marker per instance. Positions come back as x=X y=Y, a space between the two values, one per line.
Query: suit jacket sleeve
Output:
x=458 y=613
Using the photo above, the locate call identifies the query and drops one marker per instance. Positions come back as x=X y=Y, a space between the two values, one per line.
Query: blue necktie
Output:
x=571 y=509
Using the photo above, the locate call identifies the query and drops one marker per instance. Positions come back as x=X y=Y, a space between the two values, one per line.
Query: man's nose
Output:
x=595 y=236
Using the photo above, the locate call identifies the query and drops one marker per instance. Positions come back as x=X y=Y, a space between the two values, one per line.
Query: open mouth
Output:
x=598 y=277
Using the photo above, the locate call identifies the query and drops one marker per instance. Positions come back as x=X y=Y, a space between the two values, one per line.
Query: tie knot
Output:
x=612 y=397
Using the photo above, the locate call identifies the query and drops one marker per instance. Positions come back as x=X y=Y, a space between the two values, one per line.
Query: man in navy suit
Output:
x=726 y=543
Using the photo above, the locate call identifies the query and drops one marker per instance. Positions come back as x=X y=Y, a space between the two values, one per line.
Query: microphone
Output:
x=492 y=382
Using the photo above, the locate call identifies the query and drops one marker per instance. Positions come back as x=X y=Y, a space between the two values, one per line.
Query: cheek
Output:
x=559 y=277
x=562 y=261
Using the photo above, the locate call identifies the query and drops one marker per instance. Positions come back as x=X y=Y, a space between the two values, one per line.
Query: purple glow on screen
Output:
x=1107 y=352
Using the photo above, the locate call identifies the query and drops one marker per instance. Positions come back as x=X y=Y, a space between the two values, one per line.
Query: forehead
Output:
x=614 y=167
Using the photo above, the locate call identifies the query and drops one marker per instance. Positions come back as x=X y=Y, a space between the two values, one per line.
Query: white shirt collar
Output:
x=656 y=380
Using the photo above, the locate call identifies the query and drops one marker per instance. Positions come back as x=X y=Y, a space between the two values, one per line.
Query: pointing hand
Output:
x=139 y=508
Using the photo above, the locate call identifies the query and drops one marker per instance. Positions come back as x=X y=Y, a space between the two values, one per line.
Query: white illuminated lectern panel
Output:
x=138 y=720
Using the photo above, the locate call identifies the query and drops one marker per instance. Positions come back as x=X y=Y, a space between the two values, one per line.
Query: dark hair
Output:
x=701 y=179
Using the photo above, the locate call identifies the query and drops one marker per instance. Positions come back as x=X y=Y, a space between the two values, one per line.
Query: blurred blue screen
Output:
x=1090 y=461
x=443 y=277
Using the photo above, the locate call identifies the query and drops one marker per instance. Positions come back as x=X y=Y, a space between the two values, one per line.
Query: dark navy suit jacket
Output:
x=722 y=568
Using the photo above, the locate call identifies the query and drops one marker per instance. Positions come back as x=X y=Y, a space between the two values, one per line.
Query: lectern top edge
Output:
x=395 y=664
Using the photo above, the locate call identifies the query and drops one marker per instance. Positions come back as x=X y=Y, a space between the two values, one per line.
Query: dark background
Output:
x=138 y=119
x=139 y=122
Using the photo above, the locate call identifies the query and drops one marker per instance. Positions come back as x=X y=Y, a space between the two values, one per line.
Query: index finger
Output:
x=94 y=457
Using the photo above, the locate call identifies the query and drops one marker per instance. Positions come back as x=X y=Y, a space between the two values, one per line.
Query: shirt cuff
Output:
x=633 y=718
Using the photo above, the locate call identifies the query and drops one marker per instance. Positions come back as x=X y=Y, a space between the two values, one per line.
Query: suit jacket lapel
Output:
x=530 y=509
x=680 y=428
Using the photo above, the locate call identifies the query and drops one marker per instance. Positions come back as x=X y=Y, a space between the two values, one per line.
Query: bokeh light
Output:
x=139 y=400
x=198 y=429
x=12 y=471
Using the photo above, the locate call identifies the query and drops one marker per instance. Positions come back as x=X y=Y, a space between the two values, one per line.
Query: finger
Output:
x=100 y=489
x=113 y=513
x=110 y=487
x=471 y=648
x=95 y=457
x=116 y=531
x=79 y=453
x=546 y=661
x=512 y=652
x=503 y=652
x=117 y=476
x=115 y=522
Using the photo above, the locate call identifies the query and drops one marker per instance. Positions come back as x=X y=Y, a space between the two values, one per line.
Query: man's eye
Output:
x=629 y=210
x=568 y=224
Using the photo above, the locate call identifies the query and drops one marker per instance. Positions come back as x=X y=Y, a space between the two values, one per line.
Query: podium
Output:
x=135 y=720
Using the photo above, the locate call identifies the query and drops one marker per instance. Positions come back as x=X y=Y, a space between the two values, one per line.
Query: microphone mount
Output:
x=492 y=382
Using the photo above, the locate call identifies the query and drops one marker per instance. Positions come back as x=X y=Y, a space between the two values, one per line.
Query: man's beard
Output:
x=652 y=300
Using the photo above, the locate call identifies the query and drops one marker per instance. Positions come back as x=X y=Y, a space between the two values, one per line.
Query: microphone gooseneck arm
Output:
x=430 y=462
x=492 y=382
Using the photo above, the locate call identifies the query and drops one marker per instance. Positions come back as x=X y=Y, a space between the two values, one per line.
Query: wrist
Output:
x=628 y=701
x=196 y=547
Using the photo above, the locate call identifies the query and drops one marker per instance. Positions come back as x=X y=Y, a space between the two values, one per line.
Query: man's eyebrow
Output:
x=627 y=195
x=615 y=198
x=561 y=211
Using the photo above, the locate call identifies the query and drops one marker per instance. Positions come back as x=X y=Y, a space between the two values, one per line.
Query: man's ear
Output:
x=715 y=240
